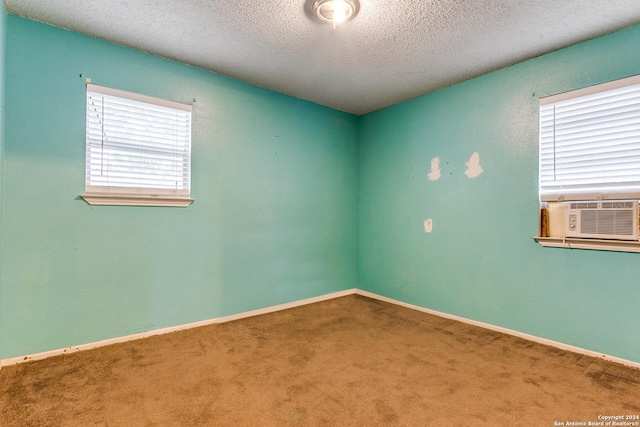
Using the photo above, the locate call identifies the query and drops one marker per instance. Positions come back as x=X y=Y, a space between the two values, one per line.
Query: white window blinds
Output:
x=590 y=143
x=137 y=144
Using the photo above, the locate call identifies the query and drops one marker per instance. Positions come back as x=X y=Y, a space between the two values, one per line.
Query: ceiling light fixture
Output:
x=335 y=11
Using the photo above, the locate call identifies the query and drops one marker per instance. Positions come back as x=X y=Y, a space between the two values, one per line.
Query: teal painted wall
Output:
x=479 y=261
x=3 y=43
x=275 y=217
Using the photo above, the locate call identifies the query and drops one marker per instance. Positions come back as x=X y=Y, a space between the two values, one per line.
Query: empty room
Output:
x=319 y=212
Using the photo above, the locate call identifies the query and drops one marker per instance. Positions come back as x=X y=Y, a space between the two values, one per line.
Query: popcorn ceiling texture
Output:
x=391 y=51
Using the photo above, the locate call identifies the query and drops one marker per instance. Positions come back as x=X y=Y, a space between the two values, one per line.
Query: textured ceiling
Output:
x=393 y=50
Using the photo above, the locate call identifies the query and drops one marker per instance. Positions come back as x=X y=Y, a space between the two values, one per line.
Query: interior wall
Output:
x=456 y=235
x=3 y=33
x=274 y=221
x=276 y=182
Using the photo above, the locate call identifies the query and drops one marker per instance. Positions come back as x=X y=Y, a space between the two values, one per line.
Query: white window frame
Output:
x=600 y=161
x=129 y=146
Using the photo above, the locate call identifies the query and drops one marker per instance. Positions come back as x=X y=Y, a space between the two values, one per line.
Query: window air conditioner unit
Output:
x=603 y=220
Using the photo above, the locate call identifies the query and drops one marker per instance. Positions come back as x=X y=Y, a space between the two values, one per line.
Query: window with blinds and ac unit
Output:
x=138 y=149
x=589 y=170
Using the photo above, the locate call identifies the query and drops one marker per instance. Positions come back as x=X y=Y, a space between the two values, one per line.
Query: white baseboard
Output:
x=126 y=338
x=279 y=307
x=286 y=306
x=533 y=338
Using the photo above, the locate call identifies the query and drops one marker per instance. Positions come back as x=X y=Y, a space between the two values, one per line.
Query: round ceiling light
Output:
x=335 y=11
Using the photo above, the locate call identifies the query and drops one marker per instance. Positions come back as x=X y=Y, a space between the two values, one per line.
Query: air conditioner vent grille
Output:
x=602 y=205
x=605 y=220
x=617 y=223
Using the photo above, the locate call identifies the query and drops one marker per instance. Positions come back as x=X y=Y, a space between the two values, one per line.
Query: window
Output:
x=138 y=149
x=590 y=156
x=590 y=143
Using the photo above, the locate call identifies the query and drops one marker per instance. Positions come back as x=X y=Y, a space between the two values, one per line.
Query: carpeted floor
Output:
x=350 y=361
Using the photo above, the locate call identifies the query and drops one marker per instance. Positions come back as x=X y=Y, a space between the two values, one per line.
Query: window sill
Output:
x=596 y=244
x=133 y=200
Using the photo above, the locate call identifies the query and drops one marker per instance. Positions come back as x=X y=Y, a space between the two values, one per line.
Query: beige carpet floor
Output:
x=350 y=361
